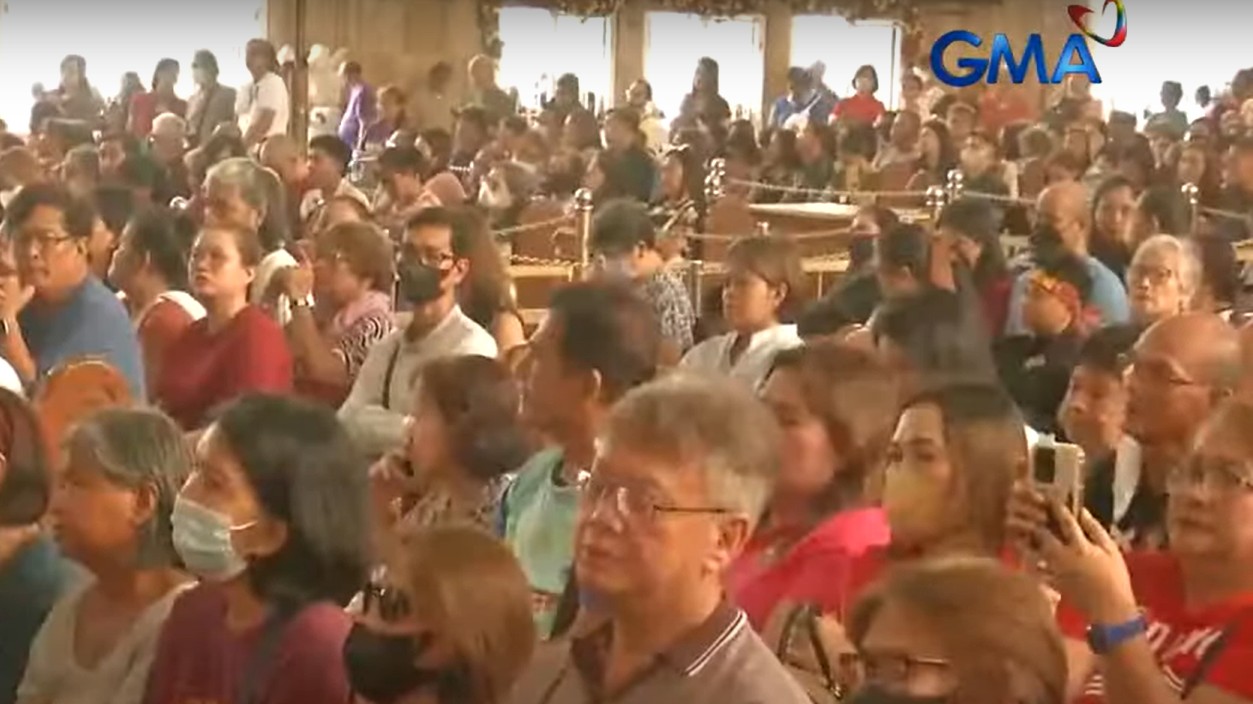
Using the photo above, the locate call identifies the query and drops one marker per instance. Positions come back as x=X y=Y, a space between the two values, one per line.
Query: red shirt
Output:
x=805 y=574
x=205 y=370
x=144 y=111
x=995 y=112
x=858 y=107
x=200 y=661
x=1178 y=635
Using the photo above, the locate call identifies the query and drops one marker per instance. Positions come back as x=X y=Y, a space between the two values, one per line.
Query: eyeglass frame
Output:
x=1198 y=475
x=593 y=495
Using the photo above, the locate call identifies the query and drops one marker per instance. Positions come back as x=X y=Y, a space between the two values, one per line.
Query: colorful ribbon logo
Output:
x=1079 y=13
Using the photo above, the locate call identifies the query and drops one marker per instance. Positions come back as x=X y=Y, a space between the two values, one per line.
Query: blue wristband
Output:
x=1104 y=638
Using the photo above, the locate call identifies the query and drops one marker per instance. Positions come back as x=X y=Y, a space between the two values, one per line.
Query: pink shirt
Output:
x=200 y=661
x=807 y=572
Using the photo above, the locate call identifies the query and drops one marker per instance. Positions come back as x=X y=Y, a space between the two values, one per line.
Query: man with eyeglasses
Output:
x=433 y=263
x=682 y=473
x=1178 y=372
x=53 y=310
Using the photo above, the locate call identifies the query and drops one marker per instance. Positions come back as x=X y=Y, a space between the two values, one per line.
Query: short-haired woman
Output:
x=465 y=438
x=350 y=279
x=960 y=630
x=763 y=290
x=273 y=520
x=150 y=268
x=861 y=107
x=837 y=406
x=111 y=515
x=236 y=348
x=449 y=622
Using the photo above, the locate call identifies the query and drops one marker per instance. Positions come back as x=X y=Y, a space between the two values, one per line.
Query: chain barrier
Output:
x=529 y=227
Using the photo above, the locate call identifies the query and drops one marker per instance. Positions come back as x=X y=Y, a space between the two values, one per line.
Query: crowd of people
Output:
x=313 y=451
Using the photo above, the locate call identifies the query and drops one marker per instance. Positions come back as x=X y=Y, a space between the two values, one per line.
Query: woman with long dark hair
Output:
x=705 y=102
x=159 y=100
x=939 y=156
x=486 y=295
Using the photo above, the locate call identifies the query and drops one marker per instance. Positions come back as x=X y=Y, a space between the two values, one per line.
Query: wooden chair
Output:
x=728 y=216
x=73 y=391
x=534 y=282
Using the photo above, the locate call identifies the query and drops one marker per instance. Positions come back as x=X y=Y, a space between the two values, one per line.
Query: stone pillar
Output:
x=777 y=55
x=630 y=43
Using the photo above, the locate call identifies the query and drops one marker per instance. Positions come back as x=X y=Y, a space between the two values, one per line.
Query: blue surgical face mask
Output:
x=202 y=538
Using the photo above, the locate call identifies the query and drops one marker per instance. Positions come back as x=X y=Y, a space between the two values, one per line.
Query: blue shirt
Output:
x=819 y=106
x=30 y=583
x=91 y=323
x=1108 y=296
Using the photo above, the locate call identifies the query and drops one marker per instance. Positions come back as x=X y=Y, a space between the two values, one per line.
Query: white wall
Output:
x=675 y=42
x=540 y=45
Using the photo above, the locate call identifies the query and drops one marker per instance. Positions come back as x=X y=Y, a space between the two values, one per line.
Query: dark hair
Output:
x=26 y=481
x=906 y=246
x=163 y=65
x=777 y=261
x=712 y=72
x=1105 y=350
x=648 y=87
x=486 y=290
x=799 y=77
x=366 y=249
x=441 y=70
x=1220 y=268
x=204 y=59
x=437 y=216
x=80 y=216
x=70 y=133
x=607 y=328
x=515 y=124
x=140 y=171
x=42 y=112
x=979 y=220
x=403 y=160
x=825 y=316
x=1107 y=186
x=474 y=115
x=948 y=151
x=1173 y=88
x=1067 y=268
x=265 y=48
x=1167 y=207
x=305 y=472
x=693 y=173
x=352 y=68
x=114 y=204
x=83 y=159
x=568 y=81
x=479 y=401
x=334 y=148
x=621 y=225
x=864 y=70
x=154 y=235
x=939 y=341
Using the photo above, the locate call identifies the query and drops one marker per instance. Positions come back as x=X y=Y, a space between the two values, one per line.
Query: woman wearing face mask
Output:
x=956 y=452
x=862 y=106
x=112 y=516
x=236 y=348
x=956 y=631
x=836 y=405
x=273 y=520
x=449 y=622
x=763 y=289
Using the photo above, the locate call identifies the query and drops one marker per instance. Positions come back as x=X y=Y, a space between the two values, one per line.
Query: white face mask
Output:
x=202 y=538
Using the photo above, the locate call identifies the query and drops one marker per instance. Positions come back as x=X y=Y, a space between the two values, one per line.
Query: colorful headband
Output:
x=1065 y=291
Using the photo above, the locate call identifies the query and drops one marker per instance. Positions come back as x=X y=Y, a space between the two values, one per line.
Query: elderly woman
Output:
x=273 y=522
x=31 y=569
x=112 y=516
x=1163 y=279
x=764 y=285
x=448 y=623
x=350 y=278
x=150 y=268
x=836 y=405
x=236 y=348
x=960 y=631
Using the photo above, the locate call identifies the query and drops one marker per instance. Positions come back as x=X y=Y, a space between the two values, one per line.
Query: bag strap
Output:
x=1210 y=657
x=391 y=372
x=249 y=690
x=808 y=616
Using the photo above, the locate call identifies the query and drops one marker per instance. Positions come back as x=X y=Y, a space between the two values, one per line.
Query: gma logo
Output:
x=969 y=70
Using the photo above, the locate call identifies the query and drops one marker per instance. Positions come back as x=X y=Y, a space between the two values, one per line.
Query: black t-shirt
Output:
x=1143 y=524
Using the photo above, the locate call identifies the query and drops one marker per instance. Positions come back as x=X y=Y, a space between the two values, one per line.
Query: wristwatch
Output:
x=1104 y=638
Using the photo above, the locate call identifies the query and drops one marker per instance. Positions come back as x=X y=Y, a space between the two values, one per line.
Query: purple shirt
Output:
x=359 y=112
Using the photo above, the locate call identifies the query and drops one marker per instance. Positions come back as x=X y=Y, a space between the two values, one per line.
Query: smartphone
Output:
x=1057 y=471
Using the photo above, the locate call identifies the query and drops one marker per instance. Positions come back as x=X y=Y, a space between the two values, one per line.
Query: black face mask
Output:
x=381 y=668
x=419 y=283
x=874 y=694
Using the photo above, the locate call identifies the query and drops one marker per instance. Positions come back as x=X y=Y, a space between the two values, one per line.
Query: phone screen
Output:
x=1044 y=464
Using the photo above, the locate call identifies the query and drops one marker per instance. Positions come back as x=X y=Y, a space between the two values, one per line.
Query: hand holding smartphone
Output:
x=1057 y=472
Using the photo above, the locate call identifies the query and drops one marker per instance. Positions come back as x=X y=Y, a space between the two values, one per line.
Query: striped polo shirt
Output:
x=721 y=661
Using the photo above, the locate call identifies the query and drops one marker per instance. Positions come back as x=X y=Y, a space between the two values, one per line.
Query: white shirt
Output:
x=182 y=299
x=53 y=673
x=714 y=355
x=382 y=395
x=9 y=380
x=268 y=93
x=1127 y=467
x=313 y=198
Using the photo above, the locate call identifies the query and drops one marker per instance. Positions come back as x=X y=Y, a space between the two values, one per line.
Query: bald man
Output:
x=1181 y=369
x=281 y=154
x=1063 y=220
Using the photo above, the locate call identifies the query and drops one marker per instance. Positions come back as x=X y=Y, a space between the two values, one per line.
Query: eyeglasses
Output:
x=441 y=260
x=1220 y=477
x=888 y=669
x=44 y=240
x=633 y=503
